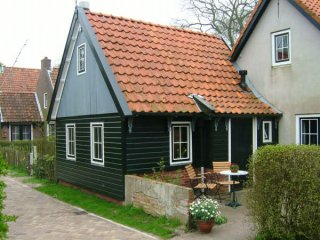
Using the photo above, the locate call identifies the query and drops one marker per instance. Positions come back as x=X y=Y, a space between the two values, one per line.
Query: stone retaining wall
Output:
x=158 y=198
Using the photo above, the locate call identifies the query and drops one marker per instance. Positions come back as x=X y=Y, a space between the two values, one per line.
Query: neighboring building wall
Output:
x=108 y=179
x=4 y=132
x=294 y=88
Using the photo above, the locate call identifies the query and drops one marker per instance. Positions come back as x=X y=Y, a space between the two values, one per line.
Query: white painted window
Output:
x=309 y=131
x=81 y=59
x=71 y=141
x=45 y=100
x=281 y=48
x=266 y=131
x=15 y=133
x=26 y=132
x=180 y=143
x=97 y=143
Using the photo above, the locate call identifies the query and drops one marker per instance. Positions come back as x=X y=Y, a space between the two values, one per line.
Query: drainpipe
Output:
x=243 y=74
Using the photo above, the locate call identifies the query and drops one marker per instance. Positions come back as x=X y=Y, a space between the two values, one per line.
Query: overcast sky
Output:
x=44 y=24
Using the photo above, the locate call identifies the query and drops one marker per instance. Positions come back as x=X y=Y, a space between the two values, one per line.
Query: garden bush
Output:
x=44 y=167
x=284 y=192
x=3 y=218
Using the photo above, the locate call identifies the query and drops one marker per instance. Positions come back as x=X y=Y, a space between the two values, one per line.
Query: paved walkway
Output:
x=43 y=217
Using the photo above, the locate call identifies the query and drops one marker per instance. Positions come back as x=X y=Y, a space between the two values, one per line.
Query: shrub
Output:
x=3 y=218
x=44 y=167
x=283 y=197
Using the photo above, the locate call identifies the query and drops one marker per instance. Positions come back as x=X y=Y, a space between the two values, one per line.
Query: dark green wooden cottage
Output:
x=129 y=93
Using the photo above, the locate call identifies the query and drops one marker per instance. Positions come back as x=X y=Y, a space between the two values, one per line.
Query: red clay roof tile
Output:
x=158 y=67
x=19 y=107
x=19 y=80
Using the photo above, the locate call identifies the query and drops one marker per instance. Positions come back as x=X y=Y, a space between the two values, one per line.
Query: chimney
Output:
x=85 y=5
x=46 y=64
x=243 y=74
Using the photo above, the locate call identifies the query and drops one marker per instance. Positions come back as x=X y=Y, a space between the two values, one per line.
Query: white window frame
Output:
x=96 y=161
x=181 y=161
x=26 y=133
x=299 y=119
x=68 y=155
x=273 y=40
x=269 y=140
x=45 y=100
x=79 y=72
x=13 y=132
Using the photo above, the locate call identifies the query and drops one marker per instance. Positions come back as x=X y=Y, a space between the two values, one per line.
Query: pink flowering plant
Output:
x=205 y=209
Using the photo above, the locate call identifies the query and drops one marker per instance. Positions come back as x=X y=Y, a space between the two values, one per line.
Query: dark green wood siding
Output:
x=107 y=179
x=217 y=147
x=147 y=143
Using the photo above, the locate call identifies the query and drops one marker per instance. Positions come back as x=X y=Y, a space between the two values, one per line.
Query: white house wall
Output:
x=85 y=94
x=294 y=88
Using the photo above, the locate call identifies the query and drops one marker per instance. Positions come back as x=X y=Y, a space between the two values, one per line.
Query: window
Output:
x=71 y=141
x=281 y=48
x=26 y=132
x=180 y=143
x=20 y=132
x=309 y=131
x=266 y=131
x=15 y=133
x=45 y=100
x=97 y=145
x=81 y=65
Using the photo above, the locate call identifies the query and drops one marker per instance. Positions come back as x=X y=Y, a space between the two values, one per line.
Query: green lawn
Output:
x=127 y=215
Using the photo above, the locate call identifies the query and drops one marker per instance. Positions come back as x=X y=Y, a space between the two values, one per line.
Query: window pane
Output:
x=314 y=139
x=176 y=151
x=285 y=54
x=266 y=131
x=304 y=139
x=176 y=134
x=279 y=41
x=305 y=126
x=285 y=40
x=184 y=134
x=313 y=126
x=184 y=150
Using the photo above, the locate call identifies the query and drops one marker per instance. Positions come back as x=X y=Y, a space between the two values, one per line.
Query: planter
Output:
x=205 y=226
x=234 y=170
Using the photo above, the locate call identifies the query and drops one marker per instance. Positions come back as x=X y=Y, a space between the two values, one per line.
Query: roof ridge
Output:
x=22 y=68
x=157 y=25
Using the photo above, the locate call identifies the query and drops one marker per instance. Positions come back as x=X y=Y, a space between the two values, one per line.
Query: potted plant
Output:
x=204 y=211
x=234 y=167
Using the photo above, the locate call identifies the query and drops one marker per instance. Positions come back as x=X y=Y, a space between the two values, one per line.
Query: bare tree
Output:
x=223 y=17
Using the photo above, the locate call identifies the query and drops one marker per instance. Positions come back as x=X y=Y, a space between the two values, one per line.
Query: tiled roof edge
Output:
x=315 y=20
x=257 y=94
x=158 y=25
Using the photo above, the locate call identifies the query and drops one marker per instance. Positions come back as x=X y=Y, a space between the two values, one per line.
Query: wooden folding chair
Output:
x=198 y=186
x=222 y=181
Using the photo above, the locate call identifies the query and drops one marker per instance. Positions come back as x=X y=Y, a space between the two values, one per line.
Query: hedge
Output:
x=3 y=218
x=284 y=191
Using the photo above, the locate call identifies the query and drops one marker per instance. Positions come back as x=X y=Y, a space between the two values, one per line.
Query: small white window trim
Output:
x=269 y=140
x=70 y=156
x=85 y=59
x=94 y=161
x=273 y=38
x=180 y=162
x=298 y=124
x=45 y=100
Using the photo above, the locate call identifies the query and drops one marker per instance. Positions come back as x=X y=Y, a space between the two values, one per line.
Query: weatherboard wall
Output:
x=107 y=179
x=87 y=93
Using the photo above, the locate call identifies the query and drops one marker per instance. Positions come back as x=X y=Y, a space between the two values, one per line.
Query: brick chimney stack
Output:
x=46 y=64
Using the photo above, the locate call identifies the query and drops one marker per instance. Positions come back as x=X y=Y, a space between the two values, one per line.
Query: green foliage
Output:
x=3 y=218
x=127 y=215
x=220 y=219
x=283 y=197
x=44 y=167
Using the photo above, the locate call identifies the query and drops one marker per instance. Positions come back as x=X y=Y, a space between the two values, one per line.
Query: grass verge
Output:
x=126 y=215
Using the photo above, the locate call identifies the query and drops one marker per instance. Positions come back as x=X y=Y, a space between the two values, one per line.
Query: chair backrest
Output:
x=191 y=172
x=220 y=166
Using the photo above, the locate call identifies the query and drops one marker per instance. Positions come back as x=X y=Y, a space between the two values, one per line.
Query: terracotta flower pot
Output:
x=234 y=170
x=205 y=226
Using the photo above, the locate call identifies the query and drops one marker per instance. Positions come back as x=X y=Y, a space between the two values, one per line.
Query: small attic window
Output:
x=281 y=48
x=81 y=59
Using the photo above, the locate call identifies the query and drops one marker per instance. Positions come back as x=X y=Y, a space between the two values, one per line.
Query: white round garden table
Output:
x=234 y=203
